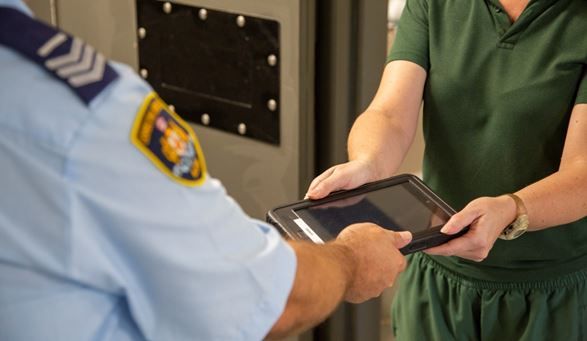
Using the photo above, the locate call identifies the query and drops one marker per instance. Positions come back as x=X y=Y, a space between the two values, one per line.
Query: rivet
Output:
x=272 y=60
x=242 y=128
x=203 y=14
x=205 y=119
x=241 y=21
x=142 y=32
x=167 y=7
x=272 y=105
x=171 y=107
x=144 y=73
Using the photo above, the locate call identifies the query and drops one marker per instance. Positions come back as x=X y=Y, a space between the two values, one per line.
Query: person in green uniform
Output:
x=504 y=87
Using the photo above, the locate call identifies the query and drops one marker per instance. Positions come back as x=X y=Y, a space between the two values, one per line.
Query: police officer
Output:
x=111 y=228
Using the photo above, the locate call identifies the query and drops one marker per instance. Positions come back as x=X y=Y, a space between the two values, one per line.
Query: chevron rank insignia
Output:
x=169 y=142
x=67 y=58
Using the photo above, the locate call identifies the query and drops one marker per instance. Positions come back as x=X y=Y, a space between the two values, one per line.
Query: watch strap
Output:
x=520 y=207
x=520 y=224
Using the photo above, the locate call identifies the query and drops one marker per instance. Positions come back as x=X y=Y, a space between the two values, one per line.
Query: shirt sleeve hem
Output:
x=582 y=90
x=411 y=57
x=581 y=97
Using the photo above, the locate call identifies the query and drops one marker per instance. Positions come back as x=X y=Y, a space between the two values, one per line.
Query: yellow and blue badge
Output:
x=169 y=142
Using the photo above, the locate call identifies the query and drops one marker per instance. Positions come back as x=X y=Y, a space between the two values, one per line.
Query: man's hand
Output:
x=377 y=260
x=347 y=175
x=358 y=265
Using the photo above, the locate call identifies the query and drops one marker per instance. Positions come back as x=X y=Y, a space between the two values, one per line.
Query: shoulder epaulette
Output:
x=68 y=58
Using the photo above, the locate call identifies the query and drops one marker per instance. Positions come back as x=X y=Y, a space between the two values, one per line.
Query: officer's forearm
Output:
x=322 y=277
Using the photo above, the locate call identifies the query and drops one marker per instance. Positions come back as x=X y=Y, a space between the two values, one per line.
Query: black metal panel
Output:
x=210 y=62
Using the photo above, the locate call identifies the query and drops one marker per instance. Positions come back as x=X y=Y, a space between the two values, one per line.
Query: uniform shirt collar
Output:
x=16 y=4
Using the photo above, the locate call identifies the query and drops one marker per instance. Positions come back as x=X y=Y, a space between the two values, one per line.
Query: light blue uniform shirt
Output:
x=96 y=243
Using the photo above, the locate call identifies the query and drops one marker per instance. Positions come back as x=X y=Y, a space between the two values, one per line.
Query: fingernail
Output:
x=306 y=197
x=444 y=229
x=405 y=235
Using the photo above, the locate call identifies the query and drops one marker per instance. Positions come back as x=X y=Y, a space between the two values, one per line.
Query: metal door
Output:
x=259 y=175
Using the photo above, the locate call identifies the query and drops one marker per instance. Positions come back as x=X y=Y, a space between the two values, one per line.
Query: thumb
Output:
x=401 y=239
x=458 y=221
x=325 y=187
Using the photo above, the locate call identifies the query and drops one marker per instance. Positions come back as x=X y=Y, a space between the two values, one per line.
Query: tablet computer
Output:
x=399 y=203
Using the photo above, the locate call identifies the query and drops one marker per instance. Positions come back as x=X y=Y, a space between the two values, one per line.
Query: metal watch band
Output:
x=520 y=207
x=520 y=224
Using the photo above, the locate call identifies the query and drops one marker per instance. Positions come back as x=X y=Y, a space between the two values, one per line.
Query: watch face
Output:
x=521 y=223
x=516 y=229
x=516 y=233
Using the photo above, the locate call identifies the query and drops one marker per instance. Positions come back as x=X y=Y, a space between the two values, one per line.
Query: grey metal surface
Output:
x=371 y=49
x=352 y=49
x=44 y=9
x=259 y=176
x=352 y=37
x=110 y=26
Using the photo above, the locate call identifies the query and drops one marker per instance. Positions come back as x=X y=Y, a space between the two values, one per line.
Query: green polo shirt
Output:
x=497 y=103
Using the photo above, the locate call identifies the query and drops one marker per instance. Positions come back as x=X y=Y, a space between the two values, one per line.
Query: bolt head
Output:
x=272 y=105
x=167 y=8
x=241 y=21
x=142 y=32
x=203 y=14
x=242 y=128
x=205 y=119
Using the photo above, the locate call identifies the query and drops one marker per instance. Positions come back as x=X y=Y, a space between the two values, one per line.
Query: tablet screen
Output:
x=399 y=207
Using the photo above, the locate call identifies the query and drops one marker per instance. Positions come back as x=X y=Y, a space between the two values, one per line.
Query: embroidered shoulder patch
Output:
x=169 y=142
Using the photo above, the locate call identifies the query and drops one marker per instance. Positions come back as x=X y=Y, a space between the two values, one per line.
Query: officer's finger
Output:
x=401 y=239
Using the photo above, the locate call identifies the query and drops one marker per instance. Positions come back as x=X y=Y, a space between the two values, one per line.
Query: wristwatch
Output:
x=520 y=224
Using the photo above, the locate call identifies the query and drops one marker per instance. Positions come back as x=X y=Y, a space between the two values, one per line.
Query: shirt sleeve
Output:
x=582 y=92
x=188 y=262
x=411 y=41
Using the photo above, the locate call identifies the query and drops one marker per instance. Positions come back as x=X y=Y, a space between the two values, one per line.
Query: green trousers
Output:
x=435 y=303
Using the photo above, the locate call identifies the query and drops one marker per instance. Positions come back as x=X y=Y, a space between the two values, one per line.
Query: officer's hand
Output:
x=377 y=260
x=487 y=217
x=343 y=176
